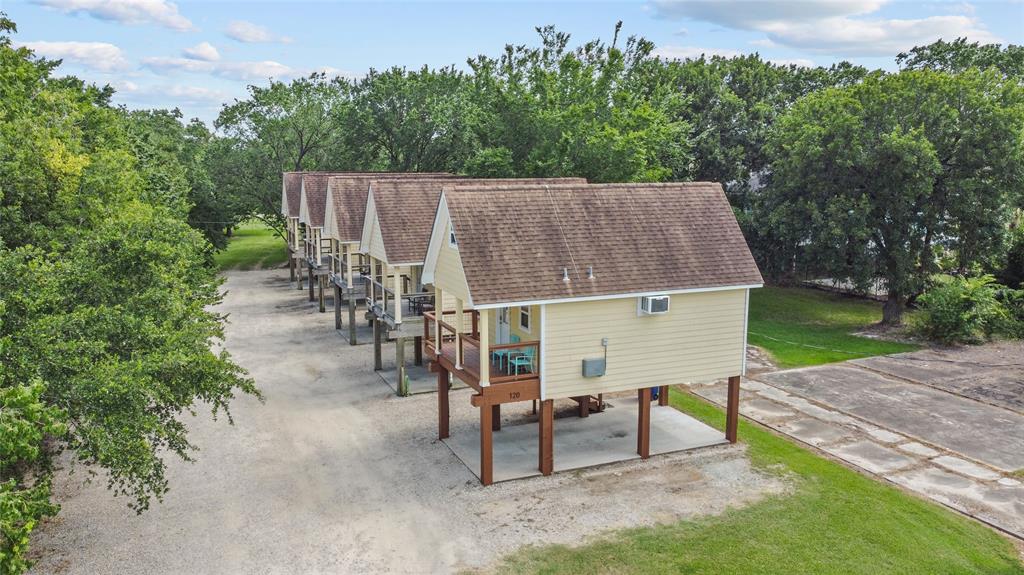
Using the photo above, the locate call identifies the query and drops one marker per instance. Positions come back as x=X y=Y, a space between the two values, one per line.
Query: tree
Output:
x=281 y=127
x=959 y=56
x=869 y=181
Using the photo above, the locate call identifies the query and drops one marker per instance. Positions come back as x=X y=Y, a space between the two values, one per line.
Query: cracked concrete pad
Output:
x=884 y=436
x=763 y=409
x=751 y=385
x=1002 y=506
x=982 y=432
x=965 y=467
x=813 y=431
x=918 y=449
x=871 y=456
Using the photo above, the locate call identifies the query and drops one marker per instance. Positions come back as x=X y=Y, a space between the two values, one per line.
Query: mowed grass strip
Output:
x=801 y=327
x=834 y=521
x=253 y=246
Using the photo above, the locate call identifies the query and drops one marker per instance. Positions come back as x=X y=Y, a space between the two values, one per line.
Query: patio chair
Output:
x=501 y=355
x=523 y=359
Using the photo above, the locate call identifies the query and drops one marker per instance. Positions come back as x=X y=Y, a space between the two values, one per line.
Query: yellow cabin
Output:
x=580 y=291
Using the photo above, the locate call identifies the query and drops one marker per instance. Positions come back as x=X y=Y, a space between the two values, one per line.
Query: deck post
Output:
x=337 y=306
x=460 y=327
x=442 y=403
x=417 y=354
x=663 y=395
x=732 y=409
x=438 y=312
x=351 y=318
x=398 y=296
x=486 y=445
x=484 y=334
x=291 y=265
x=377 y=363
x=547 y=436
x=298 y=269
x=643 y=440
x=496 y=417
x=403 y=385
x=322 y=281
x=312 y=296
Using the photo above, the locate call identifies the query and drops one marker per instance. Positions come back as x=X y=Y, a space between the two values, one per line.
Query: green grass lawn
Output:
x=801 y=327
x=253 y=246
x=835 y=521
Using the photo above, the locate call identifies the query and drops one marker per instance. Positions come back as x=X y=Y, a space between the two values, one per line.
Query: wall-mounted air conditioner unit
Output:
x=653 y=305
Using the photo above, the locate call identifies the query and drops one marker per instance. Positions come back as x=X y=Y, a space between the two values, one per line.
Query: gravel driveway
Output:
x=335 y=474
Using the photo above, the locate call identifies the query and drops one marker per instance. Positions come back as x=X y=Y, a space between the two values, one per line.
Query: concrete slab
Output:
x=871 y=456
x=991 y=373
x=998 y=505
x=763 y=409
x=600 y=439
x=982 y=432
x=918 y=449
x=884 y=436
x=420 y=379
x=965 y=467
x=813 y=431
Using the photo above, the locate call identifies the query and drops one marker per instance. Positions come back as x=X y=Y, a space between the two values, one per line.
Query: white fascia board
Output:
x=615 y=296
x=434 y=245
x=746 y=318
x=369 y=216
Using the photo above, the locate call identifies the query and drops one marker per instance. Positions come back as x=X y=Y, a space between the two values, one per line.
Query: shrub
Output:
x=965 y=310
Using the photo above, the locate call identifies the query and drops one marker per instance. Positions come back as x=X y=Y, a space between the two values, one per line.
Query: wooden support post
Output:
x=663 y=395
x=351 y=318
x=398 y=296
x=496 y=417
x=643 y=440
x=291 y=265
x=732 y=409
x=312 y=295
x=377 y=329
x=337 y=306
x=299 y=269
x=403 y=384
x=584 y=401
x=476 y=324
x=460 y=327
x=547 y=436
x=321 y=281
x=438 y=312
x=483 y=331
x=442 y=403
x=418 y=353
x=486 y=445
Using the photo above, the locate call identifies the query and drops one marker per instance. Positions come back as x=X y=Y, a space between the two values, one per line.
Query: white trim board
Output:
x=616 y=296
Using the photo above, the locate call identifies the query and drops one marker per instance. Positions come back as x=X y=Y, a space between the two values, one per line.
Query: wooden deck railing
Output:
x=468 y=344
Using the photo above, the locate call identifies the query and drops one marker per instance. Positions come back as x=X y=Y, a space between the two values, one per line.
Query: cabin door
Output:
x=504 y=332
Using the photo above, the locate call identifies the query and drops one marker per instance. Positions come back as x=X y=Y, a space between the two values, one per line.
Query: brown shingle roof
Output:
x=348 y=194
x=293 y=191
x=406 y=211
x=315 y=186
x=514 y=243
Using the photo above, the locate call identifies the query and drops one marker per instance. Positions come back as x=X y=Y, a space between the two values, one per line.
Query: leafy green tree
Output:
x=960 y=55
x=869 y=181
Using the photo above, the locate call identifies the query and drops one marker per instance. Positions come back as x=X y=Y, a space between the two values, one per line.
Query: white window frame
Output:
x=529 y=318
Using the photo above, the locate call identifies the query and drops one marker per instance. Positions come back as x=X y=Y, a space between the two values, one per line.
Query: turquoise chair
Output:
x=501 y=355
x=524 y=359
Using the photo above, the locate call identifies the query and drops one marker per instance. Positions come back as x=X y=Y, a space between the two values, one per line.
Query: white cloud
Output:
x=252 y=33
x=125 y=11
x=99 y=56
x=202 y=51
x=841 y=27
x=170 y=92
x=229 y=70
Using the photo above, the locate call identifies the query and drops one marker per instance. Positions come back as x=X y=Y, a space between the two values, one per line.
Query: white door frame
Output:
x=503 y=329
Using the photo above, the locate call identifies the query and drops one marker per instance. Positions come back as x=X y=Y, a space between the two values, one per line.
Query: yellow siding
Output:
x=448 y=272
x=700 y=339
x=377 y=243
x=515 y=329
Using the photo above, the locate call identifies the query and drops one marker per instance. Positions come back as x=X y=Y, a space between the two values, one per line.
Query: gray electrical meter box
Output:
x=593 y=367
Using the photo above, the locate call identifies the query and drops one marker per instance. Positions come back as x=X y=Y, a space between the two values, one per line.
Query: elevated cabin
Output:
x=343 y=225
x=291 y=192
x=395 y=233
x=579 y=291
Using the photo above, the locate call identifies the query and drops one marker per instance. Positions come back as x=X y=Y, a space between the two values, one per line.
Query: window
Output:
x=524 y=319
x=451 y=238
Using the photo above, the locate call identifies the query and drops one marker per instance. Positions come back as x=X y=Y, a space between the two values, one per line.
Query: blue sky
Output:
x=198 y=55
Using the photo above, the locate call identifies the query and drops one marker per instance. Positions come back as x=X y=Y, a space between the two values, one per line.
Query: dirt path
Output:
x=334 y=474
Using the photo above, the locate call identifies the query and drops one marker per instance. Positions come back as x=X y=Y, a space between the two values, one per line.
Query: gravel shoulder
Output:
x=333 y=473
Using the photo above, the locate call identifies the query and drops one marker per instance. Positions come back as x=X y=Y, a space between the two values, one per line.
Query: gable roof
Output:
x=404 y=210
x=639 y=238
x=291 y=190
x=347 y=198
x=314 y=194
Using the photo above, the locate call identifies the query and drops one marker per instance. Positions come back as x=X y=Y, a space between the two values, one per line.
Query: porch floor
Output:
x=600 y=439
